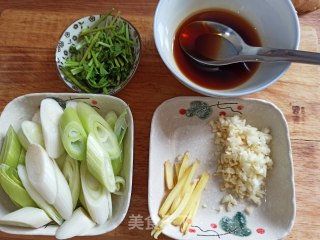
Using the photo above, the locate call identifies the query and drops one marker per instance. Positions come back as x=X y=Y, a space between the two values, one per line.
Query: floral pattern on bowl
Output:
x=182 y=124
x=70 y=37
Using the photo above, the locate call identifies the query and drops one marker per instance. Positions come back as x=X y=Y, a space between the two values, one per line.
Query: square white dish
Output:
x=23 y=107
x=182 y=124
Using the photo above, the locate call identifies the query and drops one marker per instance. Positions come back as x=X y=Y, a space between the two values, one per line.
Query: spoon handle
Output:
x=272 y=55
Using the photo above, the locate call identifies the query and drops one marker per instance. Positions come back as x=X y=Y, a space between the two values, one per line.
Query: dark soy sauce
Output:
x=225 y=77
x=204 y=42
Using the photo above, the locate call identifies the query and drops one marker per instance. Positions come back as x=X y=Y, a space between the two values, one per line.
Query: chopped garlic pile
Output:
x=244 y=159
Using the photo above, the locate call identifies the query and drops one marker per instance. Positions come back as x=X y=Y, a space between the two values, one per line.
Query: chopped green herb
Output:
x=103 y=56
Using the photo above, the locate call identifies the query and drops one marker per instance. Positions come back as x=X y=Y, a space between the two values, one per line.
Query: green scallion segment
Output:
x=95 y=124
x=99 y=164
x=120 y=129
x=22 y=157
x=73 y=135
x=11 y=148
x=12 y=185
x=111 y=118
x=120 y=126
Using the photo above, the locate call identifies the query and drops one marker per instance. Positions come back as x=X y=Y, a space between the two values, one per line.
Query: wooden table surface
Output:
x=29 y=31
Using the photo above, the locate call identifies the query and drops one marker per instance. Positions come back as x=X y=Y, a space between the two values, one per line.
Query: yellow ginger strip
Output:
x=176 y=202
x=168 y=174
x=194 y=198
x=169 y=218
x=187 y=223
x=184 y=164
x=177 y=169
x=183 y=168
x=177 y=190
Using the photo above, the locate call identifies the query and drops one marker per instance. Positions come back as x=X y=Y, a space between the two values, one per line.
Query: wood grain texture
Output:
x=303 y=6
x=30 y=31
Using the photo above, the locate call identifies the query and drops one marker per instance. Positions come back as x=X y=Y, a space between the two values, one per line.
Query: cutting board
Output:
x=27 y=45
x=41 y=30
x=297 y=93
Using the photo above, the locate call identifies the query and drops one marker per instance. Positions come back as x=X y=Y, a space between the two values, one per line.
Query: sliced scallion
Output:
x=95 y=196
x=12 y=185
x=76 y=225
x=49 y=209
x=29 y=217
x=11 y=148
x=50 y=113
x=71 y=172
x=99 y=164
x=73 y=134
x=111 y=118
x=63 y=202
x=30 y=132
x=94 y=123
x=41 y=172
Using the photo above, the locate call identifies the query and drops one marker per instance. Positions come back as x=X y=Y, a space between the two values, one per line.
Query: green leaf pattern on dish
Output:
x=236 y=225
x=200 y=109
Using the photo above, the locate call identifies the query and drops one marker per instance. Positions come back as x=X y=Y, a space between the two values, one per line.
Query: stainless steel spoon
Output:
x=215 y=44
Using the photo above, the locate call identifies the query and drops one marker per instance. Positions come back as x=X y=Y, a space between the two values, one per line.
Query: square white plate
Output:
x=23 y=107
x=182 y=124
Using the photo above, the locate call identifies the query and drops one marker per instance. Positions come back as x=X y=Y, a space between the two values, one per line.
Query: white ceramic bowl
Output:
x=182 y=124
x=23 y=108
x=276 y=23
x=71 y=36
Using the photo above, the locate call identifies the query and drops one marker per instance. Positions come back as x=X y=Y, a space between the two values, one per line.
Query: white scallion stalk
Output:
x=120 y=185
x=30 y=132
x=109 y=204
x=99 y=164
x=95 y=196
x=29 y=217
x=49 y=209
x=73 y=135
x=82 y=201
x=63 y=203
x=50 y=113
x=73 y=104
x=79 y=223
x=36 y=117
x=121 y=126
x=61 y=160
x=111 y=118
x=41 y=172
x=71 y=172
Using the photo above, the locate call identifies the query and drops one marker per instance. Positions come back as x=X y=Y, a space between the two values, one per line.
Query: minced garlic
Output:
x=244 y=160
